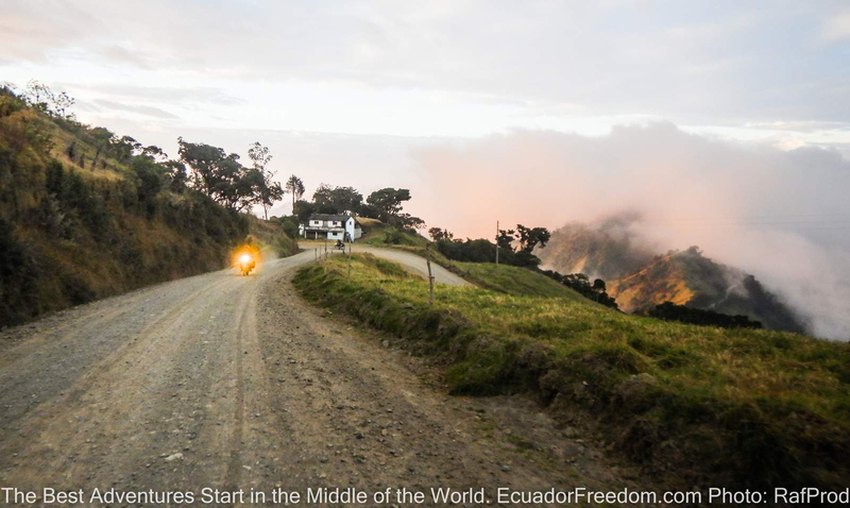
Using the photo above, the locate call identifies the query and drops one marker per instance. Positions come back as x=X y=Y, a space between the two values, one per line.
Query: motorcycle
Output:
x=246 y=263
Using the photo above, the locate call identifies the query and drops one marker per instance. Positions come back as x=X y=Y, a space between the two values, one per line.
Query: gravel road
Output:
x=415 y=264
x=233 y=382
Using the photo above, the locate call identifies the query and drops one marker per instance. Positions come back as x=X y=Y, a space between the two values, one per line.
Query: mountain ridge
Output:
x=640 y=279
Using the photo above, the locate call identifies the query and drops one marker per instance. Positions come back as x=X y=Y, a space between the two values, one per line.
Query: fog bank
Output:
x=782 y=215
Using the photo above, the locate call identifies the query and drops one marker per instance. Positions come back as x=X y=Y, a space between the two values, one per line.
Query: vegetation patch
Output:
x=86 y=214
x=696 y=405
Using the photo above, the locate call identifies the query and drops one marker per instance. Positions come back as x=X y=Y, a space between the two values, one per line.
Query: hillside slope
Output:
x=639 y=279
x=692 y=405
x=514 y=280
x=691 y=279
x=82 y=218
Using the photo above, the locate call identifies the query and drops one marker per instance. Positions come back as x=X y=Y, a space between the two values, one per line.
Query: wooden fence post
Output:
x=430 y=275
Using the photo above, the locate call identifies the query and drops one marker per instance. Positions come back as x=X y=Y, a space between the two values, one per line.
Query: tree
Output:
x=43 y=98
x=438 y=234
x=529 y=238
x=406 y=221
x=62 y=102
x=125 y=148
x=505 y=239
x=388 y=202
x=154 y=152
x=102 y=139
x=295 y=186
x=526 y=239
x=337 y=199
x=177 y=175
x=221 y=177
x=269 y=191
x=259 y=155
x=303 y=210
x=38 y=95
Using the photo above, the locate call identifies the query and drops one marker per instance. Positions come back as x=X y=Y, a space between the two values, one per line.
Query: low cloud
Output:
x=141 y=109
x=170 y=94
x=783 y=216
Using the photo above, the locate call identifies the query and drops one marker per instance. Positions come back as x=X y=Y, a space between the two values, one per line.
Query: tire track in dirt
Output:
x=234 y=382
x=114 y=392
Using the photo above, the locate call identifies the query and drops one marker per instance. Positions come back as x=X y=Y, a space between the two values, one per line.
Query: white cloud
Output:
x=837 y=27
x=693 y=64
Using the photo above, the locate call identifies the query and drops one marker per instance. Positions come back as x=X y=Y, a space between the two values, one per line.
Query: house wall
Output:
x=353 y=231
x=349 y=227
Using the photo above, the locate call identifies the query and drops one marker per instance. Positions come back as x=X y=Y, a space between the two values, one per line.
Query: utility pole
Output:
x=497 y=242
x=349 y=260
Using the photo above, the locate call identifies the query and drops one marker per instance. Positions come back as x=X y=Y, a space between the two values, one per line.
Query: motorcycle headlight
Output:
x=245 y=259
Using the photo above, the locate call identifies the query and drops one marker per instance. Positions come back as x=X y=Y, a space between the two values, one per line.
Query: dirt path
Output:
x=412 y=262
x=233 y=382
x=415 y=264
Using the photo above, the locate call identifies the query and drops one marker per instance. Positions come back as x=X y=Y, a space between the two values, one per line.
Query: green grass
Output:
x=378 y=234
x=512 y=280
x=748 y=408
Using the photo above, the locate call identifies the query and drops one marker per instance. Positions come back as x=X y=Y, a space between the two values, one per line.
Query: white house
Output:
x=333 y=227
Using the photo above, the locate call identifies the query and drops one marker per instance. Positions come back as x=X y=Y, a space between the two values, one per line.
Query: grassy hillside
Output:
x=377 y=233
x=696 y=405
x=77 y=223
x=512 y=280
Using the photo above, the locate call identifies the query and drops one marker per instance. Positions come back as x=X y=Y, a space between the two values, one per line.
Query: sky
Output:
x=724 y=123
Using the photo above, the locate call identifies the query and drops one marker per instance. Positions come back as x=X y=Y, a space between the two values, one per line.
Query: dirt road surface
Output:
x=234 y=382
x=415 y=264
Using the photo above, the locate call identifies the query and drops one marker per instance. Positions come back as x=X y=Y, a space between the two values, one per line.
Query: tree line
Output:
x=384 y=204
x=68 y=236
x=205 y=168
x=516 y=247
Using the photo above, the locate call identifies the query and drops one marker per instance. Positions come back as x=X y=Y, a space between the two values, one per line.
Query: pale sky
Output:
x=775 y=70
x=529 y=112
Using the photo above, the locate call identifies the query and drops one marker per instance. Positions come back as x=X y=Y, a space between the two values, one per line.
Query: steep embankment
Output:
x=693 y=405
x=639 y=279
x=81 y=217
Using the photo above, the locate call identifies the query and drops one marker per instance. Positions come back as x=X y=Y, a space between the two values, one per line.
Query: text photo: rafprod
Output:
x=577 y=495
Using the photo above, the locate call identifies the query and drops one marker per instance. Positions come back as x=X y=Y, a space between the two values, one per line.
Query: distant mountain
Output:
x=607 y=250
x=640 y=279
x=691 y=279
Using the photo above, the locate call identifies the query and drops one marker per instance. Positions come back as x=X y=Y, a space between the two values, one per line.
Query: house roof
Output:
x=329 y=216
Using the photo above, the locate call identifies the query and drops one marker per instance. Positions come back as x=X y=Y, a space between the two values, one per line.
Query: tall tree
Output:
x=101 y=138
x=337 y=199
x=260 y=155
x=438 y=234
x=221 y=176
x=269 y=190
x=295 y=186
x=529 y=238
x=388 y=202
